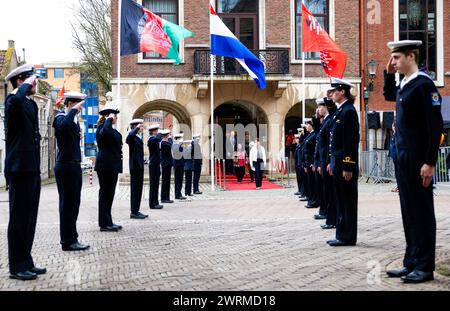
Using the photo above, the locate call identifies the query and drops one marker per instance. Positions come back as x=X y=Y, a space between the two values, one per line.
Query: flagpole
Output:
x=119 y=22
x=303 y=80
x=212 y=120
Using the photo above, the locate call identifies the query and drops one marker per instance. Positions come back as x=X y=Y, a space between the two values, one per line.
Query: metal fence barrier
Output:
x=376 y=164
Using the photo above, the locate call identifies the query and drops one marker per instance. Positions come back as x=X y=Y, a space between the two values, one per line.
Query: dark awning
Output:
x=445 y=110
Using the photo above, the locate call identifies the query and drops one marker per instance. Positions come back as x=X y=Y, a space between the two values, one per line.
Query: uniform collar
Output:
x=406 y=80
x=340 y=105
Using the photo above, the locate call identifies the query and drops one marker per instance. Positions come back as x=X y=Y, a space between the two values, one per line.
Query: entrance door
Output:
x=241 y=17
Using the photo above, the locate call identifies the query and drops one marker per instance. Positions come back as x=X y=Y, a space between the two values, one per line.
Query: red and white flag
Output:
x=316 y=39
x=60 y=97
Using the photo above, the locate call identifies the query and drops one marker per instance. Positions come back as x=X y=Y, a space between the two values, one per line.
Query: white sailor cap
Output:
x=24 y=71
x=320 y=102
x=180 y=135
x=300 y=128
x=297 y=135
x=136 y=121
x=403 y=45
x=164 y=132
x=75 y=95
x=340 y=83
x=153 y=127
x=195 y=136
x=109 y=109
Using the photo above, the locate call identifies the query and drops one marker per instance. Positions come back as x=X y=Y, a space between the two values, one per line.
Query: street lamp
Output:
x=372 y=67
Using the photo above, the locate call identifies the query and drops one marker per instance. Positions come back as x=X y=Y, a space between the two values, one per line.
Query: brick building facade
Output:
x=266 y=26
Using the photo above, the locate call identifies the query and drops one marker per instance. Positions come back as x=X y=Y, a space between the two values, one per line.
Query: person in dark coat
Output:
x=198 y=161
x=300 y=163
x=166 y=166
x=136 y=163
x=22 y=171
x=188 y=168
x=108 y=165
x=154 y=164
x=178 y=164
x=296 y=163
x=393 y=154
x=344 y=146
x=318 y=121
x=309 y=148
x=68 y=172
x=326 y=110
x=418 y=131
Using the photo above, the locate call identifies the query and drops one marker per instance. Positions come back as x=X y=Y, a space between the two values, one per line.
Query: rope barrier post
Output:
x=281 y=172
x=288 y=169
x=90 y=176
x=224 y=177
x=219 y=173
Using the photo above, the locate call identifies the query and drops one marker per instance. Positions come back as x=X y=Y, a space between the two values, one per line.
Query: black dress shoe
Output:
x=75 y=247
x=181 y=198
x=297 y=193
x=23 y=276
x=398 y=273
x=36 y=270
x=327 y=226
x=189 y=195
x=329 y=241
x=318 y=216
x=417 y=276
x=198 y=192
x=340 y=243
x=167 y=201
x=109 y=229
x=137 y=216
x=304 y=199
x=119 y=227
x=310 y=206
x=139 y=213
x=159 y=206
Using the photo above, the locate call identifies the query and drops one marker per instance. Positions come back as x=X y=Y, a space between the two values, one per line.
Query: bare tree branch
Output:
x=91 y=34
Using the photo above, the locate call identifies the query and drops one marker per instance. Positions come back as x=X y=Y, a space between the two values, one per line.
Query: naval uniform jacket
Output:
x=344 y=140
x=323 y=141
x=177 y=154
x=67 y=133
x=109 y=142
x=154 y=149
x=418 y=120
x=136 y=145
x=310 y=145
x=166 y=154
x=22 y=136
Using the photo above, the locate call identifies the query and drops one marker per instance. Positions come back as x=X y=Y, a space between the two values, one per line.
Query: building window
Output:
x=166 y=9
x=42 y=73
x=320 y=10
x=418 y=22
x=58 y=73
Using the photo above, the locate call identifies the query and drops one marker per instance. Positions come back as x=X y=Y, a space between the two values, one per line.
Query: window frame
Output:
x=54 y=74
x=331 y=31
x=180 y=19
x=439 y=30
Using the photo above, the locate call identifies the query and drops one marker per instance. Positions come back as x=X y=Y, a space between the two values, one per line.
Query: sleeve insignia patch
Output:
x=435 y=99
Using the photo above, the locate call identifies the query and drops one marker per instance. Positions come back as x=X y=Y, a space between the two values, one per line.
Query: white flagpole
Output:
x=212 y=121
x=119 y=22
x=303 y=79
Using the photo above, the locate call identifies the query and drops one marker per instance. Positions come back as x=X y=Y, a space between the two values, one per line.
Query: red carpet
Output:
x=232 y=184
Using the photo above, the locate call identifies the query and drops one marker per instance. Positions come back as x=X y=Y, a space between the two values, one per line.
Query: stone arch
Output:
x=174 y=108
x=294 y=117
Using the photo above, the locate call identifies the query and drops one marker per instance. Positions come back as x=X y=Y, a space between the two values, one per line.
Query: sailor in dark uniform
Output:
x=166 y=166
x=108 y=165
x=188 y=168
x=136 y=163
x=68 y=172
x=198 y=161
x=296 y=164
x=309 y=146
x=154 y=164
x=326 y=110
x=344 y=146
x=418 y=131
x=22 y=171
x=178 y=164
x=303 y=187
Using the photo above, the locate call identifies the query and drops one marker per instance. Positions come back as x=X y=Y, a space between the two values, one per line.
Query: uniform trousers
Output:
x=136 y=186
x=24 y=194
x=108 y=183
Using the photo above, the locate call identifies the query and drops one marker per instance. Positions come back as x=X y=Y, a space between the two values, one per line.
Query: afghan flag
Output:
x=143 y=31
x=316 y=39
x=60 y=96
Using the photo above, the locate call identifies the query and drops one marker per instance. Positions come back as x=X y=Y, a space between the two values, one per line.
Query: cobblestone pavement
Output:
x=239 y=240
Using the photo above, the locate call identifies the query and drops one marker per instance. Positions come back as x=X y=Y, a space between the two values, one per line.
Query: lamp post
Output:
x=372 y=67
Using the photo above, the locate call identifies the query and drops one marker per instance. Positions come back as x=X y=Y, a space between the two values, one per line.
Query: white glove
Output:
x=31 y=80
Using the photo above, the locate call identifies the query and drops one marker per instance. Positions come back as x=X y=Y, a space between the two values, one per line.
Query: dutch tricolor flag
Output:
x=224 y=43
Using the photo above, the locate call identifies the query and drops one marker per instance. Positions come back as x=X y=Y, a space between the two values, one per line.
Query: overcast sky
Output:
x=42 y=27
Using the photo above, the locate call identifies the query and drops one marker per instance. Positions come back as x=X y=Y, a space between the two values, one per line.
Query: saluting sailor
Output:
x=178 y=164
x=198 y=161
x=344 y=146
x=154 y=164
x=68 y=172
x=22 y=171
x=136 y=163
x=418 y=131
x=166 y=166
